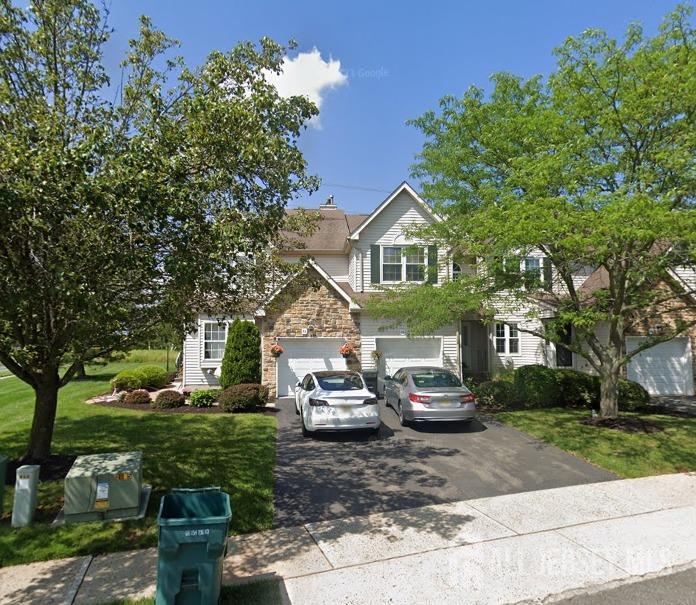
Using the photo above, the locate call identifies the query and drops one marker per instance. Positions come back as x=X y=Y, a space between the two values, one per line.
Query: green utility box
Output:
x=193 y=527
x=3 y=473
x=104 y=486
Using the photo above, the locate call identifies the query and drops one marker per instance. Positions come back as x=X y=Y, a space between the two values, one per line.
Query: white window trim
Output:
x=403 y=279
x=211 y=360
x=507 y=339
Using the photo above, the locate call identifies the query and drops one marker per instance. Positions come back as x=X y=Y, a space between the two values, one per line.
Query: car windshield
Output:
x=435 y=378
x=340 y=382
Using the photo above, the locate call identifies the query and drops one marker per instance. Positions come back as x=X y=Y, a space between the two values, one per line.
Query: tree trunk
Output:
x=41 y=435
x=80 y=372
x=609 y=391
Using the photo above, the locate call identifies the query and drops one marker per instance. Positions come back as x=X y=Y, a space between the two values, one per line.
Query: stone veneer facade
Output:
x=319 y=306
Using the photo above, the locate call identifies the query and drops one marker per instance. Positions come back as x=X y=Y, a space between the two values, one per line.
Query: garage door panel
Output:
x=404 y=352
x=304 y=355
x=664 y=369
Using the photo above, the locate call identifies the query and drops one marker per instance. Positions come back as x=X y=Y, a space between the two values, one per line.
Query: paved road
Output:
x=341 y=474
x=675 y=589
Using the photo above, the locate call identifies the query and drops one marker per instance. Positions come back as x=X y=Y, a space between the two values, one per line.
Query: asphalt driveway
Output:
x=342 y=474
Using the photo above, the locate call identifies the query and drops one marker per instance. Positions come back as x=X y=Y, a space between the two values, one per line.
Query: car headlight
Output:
x=318 y=402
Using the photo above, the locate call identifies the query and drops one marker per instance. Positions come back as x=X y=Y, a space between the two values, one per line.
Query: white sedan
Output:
x=335 y=401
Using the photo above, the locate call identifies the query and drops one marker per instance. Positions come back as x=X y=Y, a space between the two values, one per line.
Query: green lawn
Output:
x=268 y=592
x=626 y=454
x=236 y=452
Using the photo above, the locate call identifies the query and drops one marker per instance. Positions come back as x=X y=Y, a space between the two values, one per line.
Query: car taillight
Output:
x=419 y=398
x=468 y=398
x=371 y=401
x=318 y=401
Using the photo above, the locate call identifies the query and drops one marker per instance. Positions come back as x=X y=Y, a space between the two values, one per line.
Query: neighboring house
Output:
x=352 y=257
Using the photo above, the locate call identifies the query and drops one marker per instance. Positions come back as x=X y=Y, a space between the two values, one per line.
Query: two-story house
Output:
x=352 y=257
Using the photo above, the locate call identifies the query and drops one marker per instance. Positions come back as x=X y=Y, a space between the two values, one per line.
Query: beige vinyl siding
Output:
x=532 y=349
x=688 y=276
x=370 y=332
x=387 y=229
x=195 y=367
x=336 y=265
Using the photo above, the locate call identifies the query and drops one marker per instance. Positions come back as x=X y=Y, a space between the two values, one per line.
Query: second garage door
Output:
x=303 y=355
x=664 y=369
x=404 y=352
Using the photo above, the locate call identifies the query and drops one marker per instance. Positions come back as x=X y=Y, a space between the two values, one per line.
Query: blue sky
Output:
x=399 y=59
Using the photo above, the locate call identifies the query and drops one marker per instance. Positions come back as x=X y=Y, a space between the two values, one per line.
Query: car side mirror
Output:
x=299 y=384
x=388 y=378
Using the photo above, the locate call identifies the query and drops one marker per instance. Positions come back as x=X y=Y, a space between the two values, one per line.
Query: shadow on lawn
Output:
x=233 y=452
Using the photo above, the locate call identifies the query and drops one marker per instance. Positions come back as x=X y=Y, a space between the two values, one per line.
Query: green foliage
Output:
x=151 y=356
x=136 y=207
x=169 y=399
x=243 y=397
x=137 y=397
x=537 y=386
x=496 y=393
x=127 y=380
x=152 y=376
x=594 y=166
x=578 y=389
x=204 y=398
x=242 y=360
x=632 y=396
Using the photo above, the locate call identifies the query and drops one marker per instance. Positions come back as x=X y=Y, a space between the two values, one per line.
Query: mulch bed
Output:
x=627 y=425
x=53 y=469
x=184 y=409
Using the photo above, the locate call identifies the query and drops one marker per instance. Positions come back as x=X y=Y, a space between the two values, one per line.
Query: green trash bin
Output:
x=193 y=526
x=3 y=472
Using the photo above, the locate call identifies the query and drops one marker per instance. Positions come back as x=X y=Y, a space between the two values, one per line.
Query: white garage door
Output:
x=302 y=355
x=664 y=369
x=404 y=352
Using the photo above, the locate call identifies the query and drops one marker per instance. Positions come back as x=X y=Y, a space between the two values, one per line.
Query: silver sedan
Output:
x=427 y=393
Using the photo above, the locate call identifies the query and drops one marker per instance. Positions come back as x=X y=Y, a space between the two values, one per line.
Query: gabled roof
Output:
x=352 y=305
x=390 y=198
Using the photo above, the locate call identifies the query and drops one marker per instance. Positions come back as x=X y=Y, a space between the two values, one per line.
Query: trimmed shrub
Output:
x=495 y=393
x=138 y=397
x=169 y=399
x=127 y=380
x=152 y=376
x=241 y=363
x=632 y=396
x=537 y=386
x=578 y=389
x=203 y=399
x=240 y=397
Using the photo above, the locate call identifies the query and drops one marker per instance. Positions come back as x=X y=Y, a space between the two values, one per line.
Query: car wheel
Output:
x=402 y=418
x=305 y=432
x=297 y=408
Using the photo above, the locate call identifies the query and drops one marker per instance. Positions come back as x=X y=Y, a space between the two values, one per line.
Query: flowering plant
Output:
x=277 y=350
x=347 y=349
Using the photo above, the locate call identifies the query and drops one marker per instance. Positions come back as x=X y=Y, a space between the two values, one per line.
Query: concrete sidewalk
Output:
x=523 y=547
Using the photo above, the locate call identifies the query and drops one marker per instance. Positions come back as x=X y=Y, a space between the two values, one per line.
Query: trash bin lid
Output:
x=200 y=507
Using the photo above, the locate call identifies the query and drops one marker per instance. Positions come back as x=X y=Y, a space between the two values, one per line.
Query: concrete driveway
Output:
x=336 y=475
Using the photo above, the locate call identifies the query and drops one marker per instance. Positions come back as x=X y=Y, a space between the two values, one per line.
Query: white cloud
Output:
x=308 y=75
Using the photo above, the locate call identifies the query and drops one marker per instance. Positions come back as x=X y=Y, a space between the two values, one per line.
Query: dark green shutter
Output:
x=432 y=264
x=375 y=262
x=548 y=273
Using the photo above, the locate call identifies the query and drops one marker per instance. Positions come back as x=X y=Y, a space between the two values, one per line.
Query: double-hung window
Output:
x=214 y=336
x=415 y=264
x=392 y=264
x=507 y=339
x=403 y=264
